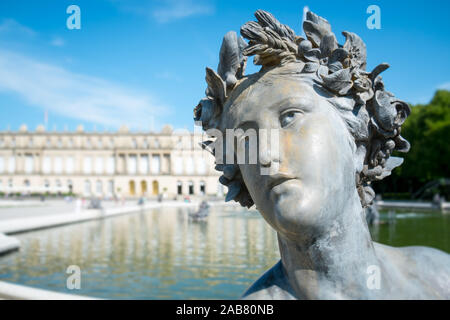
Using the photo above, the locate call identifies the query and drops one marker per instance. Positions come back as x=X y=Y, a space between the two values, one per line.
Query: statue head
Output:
x=337 y=125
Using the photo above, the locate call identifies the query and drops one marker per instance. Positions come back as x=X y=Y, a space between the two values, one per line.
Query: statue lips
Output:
x=277 y=179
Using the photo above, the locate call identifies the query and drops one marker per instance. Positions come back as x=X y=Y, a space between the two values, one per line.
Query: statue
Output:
x=338 y=127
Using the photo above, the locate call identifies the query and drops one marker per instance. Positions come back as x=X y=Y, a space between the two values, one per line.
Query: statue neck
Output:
x=334 y=264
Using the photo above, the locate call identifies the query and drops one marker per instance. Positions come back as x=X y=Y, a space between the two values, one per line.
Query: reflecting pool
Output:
x=162 y=254
x=157 y=254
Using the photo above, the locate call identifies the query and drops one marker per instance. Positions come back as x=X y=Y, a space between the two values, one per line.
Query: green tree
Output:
x=428 y=130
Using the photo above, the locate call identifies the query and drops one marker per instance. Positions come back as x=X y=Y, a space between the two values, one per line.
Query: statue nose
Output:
x=269 y=144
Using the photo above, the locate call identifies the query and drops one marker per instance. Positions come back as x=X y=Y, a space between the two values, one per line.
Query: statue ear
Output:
x=216 y=86
x=403 y=111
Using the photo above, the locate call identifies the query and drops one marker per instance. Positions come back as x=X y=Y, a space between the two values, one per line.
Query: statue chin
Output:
x=293 y=210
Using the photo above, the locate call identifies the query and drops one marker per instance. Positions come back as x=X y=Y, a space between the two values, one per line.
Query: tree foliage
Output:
x=428 y=130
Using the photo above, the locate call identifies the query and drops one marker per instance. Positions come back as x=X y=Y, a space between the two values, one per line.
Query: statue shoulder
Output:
x=272 y=285
x=428 y=267
x=419 y=256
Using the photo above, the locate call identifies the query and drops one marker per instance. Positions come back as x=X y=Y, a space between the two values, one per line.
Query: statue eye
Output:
x=288 y=117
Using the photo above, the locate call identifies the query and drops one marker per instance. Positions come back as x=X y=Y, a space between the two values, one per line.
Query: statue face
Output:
x=316 y=173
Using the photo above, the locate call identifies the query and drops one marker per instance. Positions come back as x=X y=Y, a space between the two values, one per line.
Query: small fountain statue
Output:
x=202 y=213
x=337 y=128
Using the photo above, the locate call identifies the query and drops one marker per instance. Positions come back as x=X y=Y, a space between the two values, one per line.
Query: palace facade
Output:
x=106 y=164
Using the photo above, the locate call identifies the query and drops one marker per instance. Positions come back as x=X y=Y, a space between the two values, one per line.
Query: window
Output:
x=110 y=165
x=191 y=187
x=2 y=164
x=202 y=187
x=69 y=165
x=59 y=143
x=57 y=165
x=12 y=164
x=166 y=163
x=189 y=165
x=155 y=167
x=88 y=143
x=47 y=185
x=30 y=143
x=201 y=165
x=87 y=165
x=110 y=187
x=99 y=165
x=48 y=143
x=71 y=143
x=100 y=144
x=178 y=165
x=132 y=164
x=99 y=187
x=87 y=187
x=134 y=144
x=179 y=188
x=70 y=186
x=29 y=166
x=46 y=165
x=143 y=164
x=13 y=142
x=145 y=144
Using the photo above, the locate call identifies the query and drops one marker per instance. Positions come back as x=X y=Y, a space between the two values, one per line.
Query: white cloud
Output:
x=57 y=42
x=77 y=96
x=177 y=9
x=167 y=75
x=164 y=11
x=11 y=25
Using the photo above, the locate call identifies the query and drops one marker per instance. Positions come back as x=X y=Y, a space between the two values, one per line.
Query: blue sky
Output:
x=141 y=63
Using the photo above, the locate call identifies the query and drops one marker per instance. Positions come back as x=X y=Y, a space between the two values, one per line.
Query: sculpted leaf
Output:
x=391 y=164
x=216 y=86
x=338 y=55
x=316 y=28
x=401 y=145
x=266 y=19
x=356 y=47
x=385 y=112
x=335 y=66
x=312 y=55
x=231 y=58
x=328 y=45
x=378 y=69
x=310 y=67
x=253 y=32
x=339 y=82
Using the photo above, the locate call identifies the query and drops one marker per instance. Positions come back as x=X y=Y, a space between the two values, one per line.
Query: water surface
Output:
x=161 y=254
